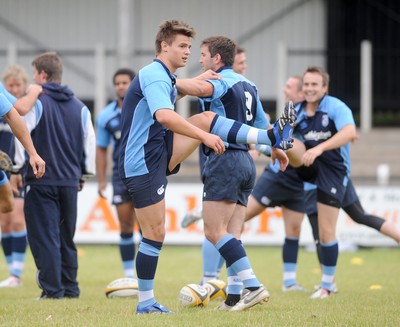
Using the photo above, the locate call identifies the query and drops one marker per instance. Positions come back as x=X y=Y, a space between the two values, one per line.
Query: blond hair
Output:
x=17 y=72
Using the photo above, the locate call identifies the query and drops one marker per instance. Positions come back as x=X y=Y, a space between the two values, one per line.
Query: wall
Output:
x=97 y=221
x=75 y=27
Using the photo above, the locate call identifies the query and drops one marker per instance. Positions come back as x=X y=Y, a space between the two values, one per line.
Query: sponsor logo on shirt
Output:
x=316 y=136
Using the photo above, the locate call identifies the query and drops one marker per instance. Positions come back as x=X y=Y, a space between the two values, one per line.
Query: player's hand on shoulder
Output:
x=35 y=89
x=209 y=74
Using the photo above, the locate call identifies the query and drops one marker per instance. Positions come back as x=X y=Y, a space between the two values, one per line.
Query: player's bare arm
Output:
x=26 y=103
x=197 y=86
x=101 y=165
x=208 y=74
x=344 y=136
x=280 y=155
x=18 y=127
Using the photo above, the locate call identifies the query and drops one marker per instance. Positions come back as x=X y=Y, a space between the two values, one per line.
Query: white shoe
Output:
x=11 y=281
x=293 y=288
x=251 y=298
x=321 y=293
x=191 y=217
x=334 y=290
x=224 y=307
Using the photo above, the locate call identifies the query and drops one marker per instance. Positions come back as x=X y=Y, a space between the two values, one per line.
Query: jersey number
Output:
x=249 y=102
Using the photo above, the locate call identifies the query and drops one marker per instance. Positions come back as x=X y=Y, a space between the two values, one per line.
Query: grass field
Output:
x=368 y=281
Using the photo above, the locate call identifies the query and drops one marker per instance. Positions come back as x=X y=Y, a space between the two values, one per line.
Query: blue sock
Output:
x=289 y=254
x=220 y=264
x=235 y=284
x=146 y=265
x=19 y=243
x=6 y=243
x=329 y=256
x=236 y=258
x=232 y=131
x=211 y=258
x=127 y=251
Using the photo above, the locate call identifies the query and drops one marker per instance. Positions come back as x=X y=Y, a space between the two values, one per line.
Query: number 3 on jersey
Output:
x=249 y=102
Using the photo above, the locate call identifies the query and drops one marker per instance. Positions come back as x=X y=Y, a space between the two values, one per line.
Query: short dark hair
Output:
x=222 y=45
x=169 y=29
x=124 y=71
x=51 y=64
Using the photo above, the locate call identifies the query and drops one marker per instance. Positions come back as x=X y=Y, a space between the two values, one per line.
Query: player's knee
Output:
x=6 y=206
x=18 y=225
x=204 y=119
x=126 y=226
x=212 y=235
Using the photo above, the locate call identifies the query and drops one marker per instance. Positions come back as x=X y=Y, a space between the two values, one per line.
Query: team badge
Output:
x=325 y=120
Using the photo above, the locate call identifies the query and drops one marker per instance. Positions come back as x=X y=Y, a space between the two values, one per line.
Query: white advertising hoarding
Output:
x=97 y=220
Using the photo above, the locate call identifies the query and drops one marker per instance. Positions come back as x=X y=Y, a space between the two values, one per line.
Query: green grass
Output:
x=355 y=304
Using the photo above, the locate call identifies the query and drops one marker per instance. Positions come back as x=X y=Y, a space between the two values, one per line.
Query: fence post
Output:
x=12 y=54
x=125 y=33
x=100 y=97
x=281 y=77
x=366 y=86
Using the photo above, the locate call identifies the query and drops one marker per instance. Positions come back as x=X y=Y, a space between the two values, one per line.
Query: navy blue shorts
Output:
x=311 y=198
x=120 y=193
x=280 y=189
x=149 y=189
x=331 y=182
x=350 y=196
x=229 y=177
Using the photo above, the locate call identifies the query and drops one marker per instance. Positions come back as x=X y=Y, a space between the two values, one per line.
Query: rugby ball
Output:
x=122 y=287
x=194 y=295
x=216 y=289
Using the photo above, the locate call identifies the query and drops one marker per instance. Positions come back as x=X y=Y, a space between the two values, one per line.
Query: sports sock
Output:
x=146 y=265
x=127 y=251
x=235 y=286
x=220 y=265
x=19 y=243
x=211 y=258
x=6 y=243
x=235 y=256
x=232 y=131
x=289 y=254
x=329 y=252
x=313 y=218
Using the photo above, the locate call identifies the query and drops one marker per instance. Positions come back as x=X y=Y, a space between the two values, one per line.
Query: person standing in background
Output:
x=240 y=62
x=13 y=229
x=63 y=133
x=109 y=131
x=324 y=128
x=239 y=66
